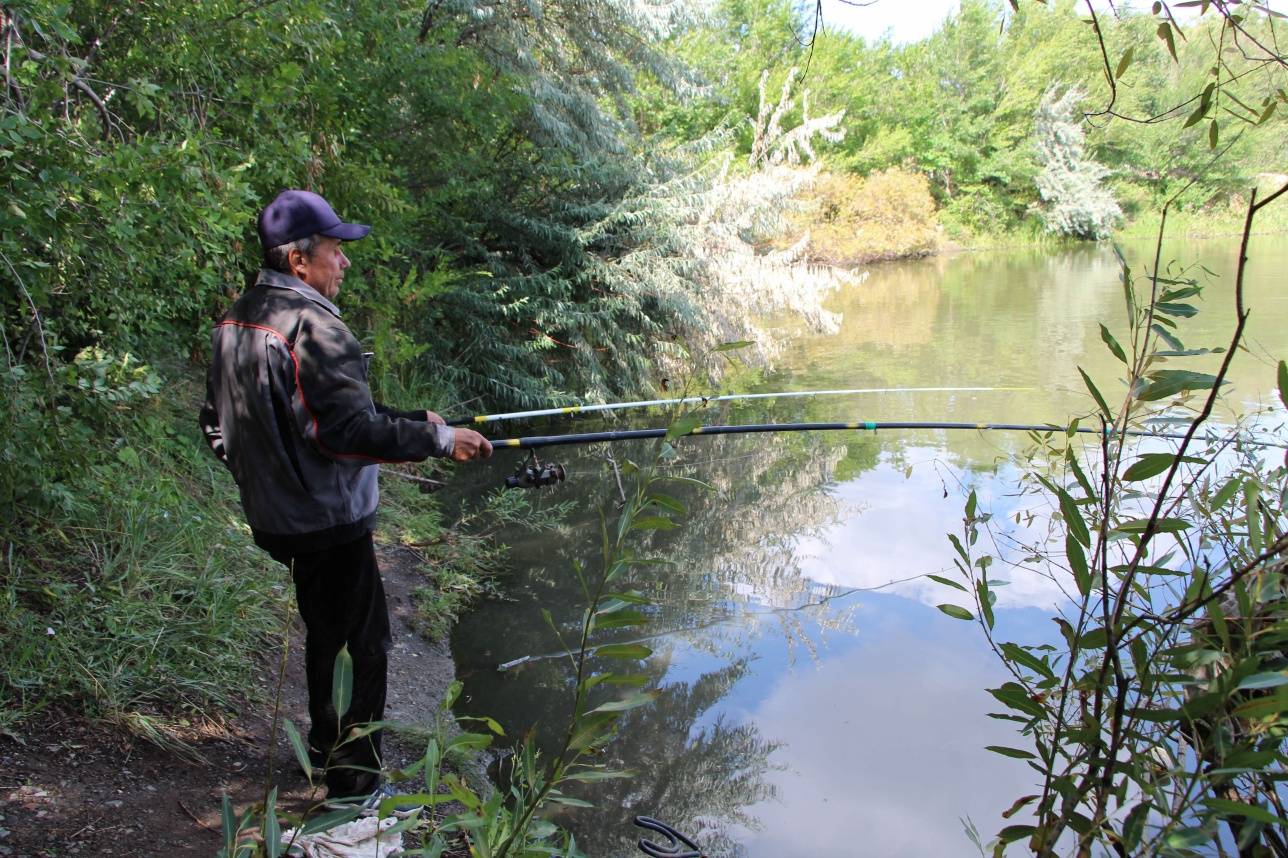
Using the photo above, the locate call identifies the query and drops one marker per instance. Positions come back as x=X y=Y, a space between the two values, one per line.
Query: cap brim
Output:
x=347 y=231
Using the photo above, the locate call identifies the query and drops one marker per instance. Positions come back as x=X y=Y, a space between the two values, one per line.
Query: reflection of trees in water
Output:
x=736 y=551
x=730 y=569
x=692 y=772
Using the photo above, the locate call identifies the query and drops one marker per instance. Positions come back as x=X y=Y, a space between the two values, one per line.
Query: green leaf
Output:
x=1227 y=492
x=1095 y=393
x=1169 y=308
x=1134 y=826
x=667 y=502
x=956 y=612
x=297 y=745
x=128 y=456
x=1014 y=696
x=1021 y=656
x=272 y=829
x=1162 y=525
x=327 y=821
x=1073 y=517
x=228 y=825
x=682 y=426
x=594 y=729
x=1178 y=294
x=633 y=702
x=1213 y=135
x=1187 y=838
x=1012 y=833
x=342 y=682
x=1015 y=753
x=593 y=775
x=1124 y=63
x=959 y=548
x=1263 y=707
x=1109 y=340
x=1283 y=383
x=1167 y=337
x=985 y=602
x=947 y=581
x=1096 y=638
x=629 y=651
x=1077 y=563
x=1168 y=382
x=1153 y=464
x=1255 y=812
x=621 y=619
x=653 y=522
x=1263 y=680
x=1165 y=33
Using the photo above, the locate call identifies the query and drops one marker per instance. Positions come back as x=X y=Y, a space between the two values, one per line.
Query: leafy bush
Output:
x=888 y=215
x=1075 y=202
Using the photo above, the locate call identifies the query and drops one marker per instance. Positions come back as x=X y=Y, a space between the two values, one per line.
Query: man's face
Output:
x=324 y=269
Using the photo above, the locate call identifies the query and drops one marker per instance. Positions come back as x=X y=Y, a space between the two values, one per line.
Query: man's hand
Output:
x=470 y=445
x=434 y=418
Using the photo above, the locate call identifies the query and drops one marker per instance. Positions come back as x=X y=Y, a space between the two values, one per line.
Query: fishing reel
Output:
x=532 y=474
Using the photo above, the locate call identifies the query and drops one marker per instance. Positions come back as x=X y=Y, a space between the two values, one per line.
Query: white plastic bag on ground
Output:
x=362 y=838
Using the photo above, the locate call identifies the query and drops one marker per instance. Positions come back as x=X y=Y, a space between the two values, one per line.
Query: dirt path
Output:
x=71 y=788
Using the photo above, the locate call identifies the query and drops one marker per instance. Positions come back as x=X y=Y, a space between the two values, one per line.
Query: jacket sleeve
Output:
x=419 y=416
x=208 y=420
x=335 y=411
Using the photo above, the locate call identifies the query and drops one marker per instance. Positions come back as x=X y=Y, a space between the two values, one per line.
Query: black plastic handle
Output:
x=675 y=839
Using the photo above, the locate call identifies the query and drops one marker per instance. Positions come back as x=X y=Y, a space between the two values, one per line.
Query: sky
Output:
x=912 y=20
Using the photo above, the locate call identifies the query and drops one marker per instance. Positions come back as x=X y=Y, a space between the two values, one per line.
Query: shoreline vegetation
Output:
x=612 y=199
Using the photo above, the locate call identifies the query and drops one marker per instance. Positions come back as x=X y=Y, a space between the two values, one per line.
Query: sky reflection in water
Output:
x=856 y=727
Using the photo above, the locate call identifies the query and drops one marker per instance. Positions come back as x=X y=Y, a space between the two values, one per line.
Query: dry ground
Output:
x=73 y=788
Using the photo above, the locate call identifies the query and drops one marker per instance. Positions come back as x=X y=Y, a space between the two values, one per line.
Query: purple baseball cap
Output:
x=295 y=214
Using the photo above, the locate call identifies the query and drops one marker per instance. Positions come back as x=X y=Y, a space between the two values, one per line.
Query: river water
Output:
x=807 y=705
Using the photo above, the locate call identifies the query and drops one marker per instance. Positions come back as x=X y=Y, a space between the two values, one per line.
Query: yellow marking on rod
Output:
x=981 y=425
x=851 y=425
x=697 y=430
x=482 y=418
x=510 y=442
x=572 y=409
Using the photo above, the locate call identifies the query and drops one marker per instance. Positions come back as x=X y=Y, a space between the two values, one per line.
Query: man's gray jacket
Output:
x=289 y=412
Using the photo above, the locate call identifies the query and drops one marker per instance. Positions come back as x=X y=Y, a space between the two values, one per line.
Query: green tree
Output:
x=1074 y=200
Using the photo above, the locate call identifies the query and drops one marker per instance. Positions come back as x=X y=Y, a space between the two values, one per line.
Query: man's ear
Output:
x=296 y=259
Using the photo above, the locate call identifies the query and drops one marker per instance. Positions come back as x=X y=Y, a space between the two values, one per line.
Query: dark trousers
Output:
x=342 y=602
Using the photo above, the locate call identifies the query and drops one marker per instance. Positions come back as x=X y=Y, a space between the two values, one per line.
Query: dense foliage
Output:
x=570 y=200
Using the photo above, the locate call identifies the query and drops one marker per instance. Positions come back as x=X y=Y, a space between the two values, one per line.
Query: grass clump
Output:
x=129 y=587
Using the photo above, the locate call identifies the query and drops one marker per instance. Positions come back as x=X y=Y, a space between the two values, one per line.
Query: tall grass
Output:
x=139 y=598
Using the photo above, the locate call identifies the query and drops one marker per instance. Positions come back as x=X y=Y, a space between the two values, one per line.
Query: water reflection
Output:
x=808 y=705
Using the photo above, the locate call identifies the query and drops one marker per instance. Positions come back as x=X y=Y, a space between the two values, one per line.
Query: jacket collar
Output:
x=278 y=280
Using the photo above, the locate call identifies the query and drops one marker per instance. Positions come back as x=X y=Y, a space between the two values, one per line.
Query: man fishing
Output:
x=288 y=410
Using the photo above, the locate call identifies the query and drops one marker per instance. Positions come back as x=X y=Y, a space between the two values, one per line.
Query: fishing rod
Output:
x=704 y=400
x=534 y=474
